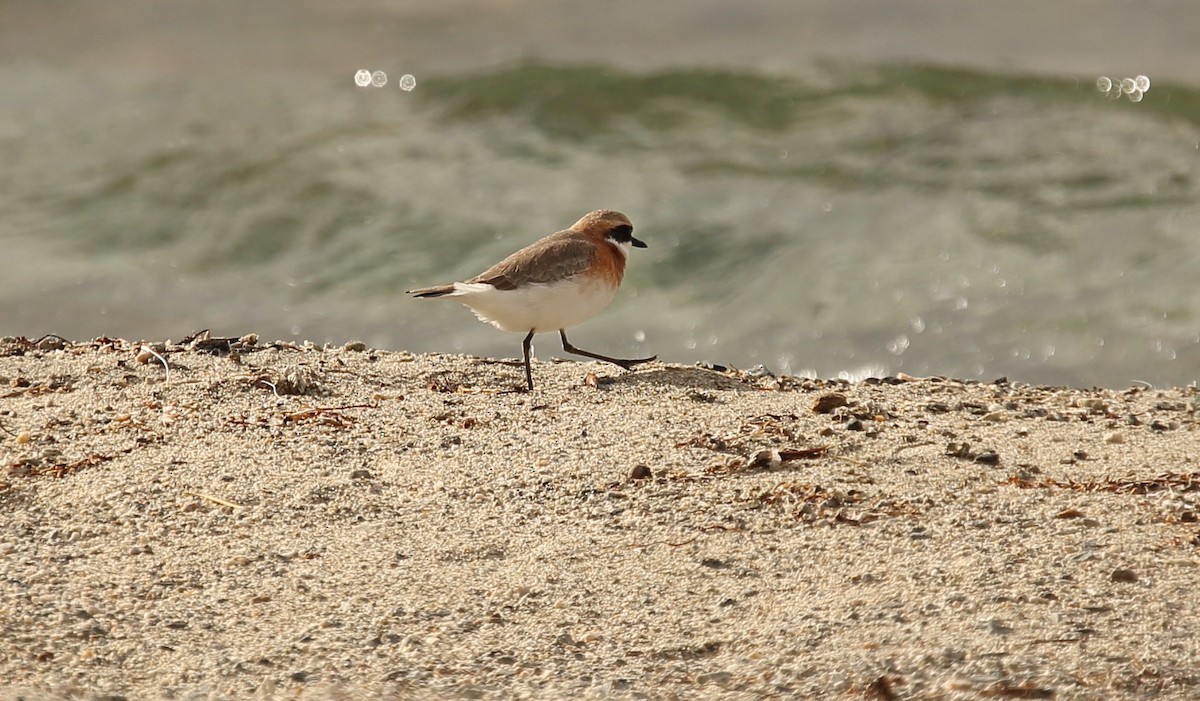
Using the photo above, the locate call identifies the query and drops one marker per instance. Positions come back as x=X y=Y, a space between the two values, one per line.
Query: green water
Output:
x=839 y=218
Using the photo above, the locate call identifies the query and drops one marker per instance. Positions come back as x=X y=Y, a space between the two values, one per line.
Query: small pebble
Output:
x=828 y=402
x=51 y=343
x=1124 y=575
x=1090 y=403
x=767 y=458
x=714 y=678
x=640 y=472
x=956 y=449
x=1115 y=437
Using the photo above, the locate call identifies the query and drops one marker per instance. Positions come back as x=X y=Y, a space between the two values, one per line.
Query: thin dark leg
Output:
x=627 y=364
x=528 y=369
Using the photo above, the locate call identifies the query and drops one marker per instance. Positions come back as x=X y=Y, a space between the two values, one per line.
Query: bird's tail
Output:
x=428 y=292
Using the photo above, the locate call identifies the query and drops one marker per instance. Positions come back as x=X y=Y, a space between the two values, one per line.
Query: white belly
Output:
x=536 y=307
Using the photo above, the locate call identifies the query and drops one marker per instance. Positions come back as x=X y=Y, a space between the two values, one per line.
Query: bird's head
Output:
x=611 y=225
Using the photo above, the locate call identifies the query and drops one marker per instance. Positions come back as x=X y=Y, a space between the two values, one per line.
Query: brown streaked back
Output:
x=563 y=255
x=556 y=257
x=559 y=256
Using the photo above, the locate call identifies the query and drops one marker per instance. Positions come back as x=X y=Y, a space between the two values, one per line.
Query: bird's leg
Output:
x=528 y=370
x=627 y=364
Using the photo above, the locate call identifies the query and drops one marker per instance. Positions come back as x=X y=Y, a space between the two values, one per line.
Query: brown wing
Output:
x=555 y=257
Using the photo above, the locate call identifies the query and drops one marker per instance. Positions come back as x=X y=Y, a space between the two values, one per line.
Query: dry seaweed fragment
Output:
x=322 y=416
x=881 y=689
x=790 y=454
x=21 y=468
x=812 y=503
x=1024 y=690
x=19 y=345
x=1179 y=481
x=331 y=416
x=25 y=388
x=704 y=440
x=771 y=425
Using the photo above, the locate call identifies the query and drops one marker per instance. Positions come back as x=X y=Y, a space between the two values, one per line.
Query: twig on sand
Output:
x=147 y=349
x=852 y=461
x=680 y=544
x=38 y=340
x=215 y=500
x=703 y=529
x=330 y=416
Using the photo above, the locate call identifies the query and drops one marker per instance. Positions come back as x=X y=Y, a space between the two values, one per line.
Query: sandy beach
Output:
x=232 y=519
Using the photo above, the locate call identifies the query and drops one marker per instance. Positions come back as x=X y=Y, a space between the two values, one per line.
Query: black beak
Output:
x=637 y=243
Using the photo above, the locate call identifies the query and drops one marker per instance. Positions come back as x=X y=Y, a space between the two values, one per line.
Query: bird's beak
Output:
x=638 y=243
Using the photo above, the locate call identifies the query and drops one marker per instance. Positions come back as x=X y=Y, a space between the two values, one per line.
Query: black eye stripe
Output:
x=621 y=234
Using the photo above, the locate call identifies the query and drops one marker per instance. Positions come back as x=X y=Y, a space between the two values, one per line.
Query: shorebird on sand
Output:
x=552 y=284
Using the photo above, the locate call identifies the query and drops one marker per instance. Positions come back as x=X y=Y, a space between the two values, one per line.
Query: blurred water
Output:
x=829 y=216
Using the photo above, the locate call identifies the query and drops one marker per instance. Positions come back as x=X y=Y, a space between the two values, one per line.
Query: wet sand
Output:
x=284 y=521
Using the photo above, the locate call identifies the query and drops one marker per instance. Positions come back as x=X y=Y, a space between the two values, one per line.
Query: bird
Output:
x=552 y=284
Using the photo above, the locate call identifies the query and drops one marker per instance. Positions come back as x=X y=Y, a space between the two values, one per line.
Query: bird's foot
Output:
x=630 y=363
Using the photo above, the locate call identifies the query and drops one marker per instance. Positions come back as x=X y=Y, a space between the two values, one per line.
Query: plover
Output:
x=552 y=284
